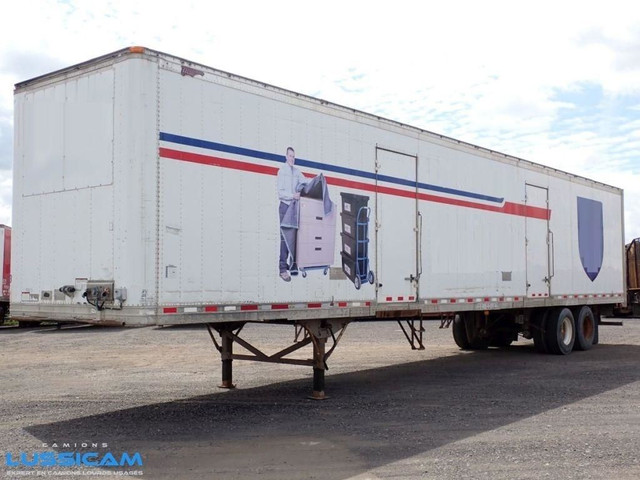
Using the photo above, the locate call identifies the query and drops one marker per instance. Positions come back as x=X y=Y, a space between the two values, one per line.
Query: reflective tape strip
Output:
x=359 y=304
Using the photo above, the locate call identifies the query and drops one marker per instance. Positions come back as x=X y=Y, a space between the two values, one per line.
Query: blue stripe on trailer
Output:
x=247 y=152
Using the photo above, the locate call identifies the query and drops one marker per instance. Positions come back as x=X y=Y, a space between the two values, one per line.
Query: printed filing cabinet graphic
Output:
x=355 y=238
x=316 y=236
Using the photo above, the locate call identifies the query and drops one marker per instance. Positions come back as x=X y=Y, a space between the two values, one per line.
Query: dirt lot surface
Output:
x=392 y=412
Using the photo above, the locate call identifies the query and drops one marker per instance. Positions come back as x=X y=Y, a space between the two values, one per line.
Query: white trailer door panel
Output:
x=396 y=210
x=537 y=244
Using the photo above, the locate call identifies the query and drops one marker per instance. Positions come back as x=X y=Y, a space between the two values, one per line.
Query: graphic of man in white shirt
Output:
x=290 y=182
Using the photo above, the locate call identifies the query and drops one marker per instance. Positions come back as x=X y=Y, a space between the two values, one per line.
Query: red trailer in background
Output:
x=632 y=308
x=5 y=262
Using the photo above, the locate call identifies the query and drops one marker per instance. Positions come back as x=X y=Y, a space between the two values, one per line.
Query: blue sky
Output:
x=557 y=83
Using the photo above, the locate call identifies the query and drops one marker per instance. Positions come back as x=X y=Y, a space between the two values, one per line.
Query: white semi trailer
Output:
x=151 y=190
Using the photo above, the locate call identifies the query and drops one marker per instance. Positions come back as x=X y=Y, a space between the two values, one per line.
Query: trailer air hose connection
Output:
x=94 y=292
x=68 y=290
x=94 y=295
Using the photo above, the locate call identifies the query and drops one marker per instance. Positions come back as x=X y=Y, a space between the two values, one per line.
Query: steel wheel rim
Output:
x=588 y=327
x=566 y=330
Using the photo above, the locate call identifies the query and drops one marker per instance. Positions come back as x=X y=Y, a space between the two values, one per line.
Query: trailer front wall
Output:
x=84 y=199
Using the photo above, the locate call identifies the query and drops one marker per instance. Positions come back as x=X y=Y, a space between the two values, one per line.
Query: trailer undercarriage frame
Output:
x=317 y=333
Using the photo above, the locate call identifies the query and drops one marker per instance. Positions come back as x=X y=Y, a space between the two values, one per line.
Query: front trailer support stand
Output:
x=319 y=366
x=225 y=348
x=227 y=361
x=317 y=332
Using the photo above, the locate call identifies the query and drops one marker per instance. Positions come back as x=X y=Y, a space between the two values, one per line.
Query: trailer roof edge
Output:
x=140 y=50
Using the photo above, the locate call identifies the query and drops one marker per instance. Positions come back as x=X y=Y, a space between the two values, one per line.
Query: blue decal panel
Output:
x=590 y=236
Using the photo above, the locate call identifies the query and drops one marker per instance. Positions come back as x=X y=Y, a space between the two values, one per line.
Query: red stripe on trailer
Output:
x=279 y=307
x=216 y=161
x=368 y=304
x=411 y=299
x=342 y=304
x=210 y=308
x=509 y=208
x=400 y=299
x=469 y=300
x=453 y=300
x=170 y=310
x=248 y=307
x=314 y=305
x=486 y=299
x=434 y=301
x=389 y=299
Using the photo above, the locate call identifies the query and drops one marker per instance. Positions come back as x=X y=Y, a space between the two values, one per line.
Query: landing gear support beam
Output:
x=414 y=333
x=317 y=332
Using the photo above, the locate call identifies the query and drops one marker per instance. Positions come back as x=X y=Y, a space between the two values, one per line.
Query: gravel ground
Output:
x=392 y=413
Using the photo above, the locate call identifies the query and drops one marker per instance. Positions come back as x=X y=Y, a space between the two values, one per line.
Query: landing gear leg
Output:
x=319 y=366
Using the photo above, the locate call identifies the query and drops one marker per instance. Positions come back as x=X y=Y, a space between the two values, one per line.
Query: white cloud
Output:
x=495 y=73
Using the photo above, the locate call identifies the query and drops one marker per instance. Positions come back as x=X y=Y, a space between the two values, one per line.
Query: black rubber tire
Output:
x=472 y=321
x=460 y=333
x=538 y=329
x=560 y=332
x=585 y=329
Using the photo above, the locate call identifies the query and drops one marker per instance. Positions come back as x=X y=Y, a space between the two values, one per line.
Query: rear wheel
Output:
x=538 y=329
x=560 y=332
x=460 y=333
x=585 y=329
x=470 y=331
